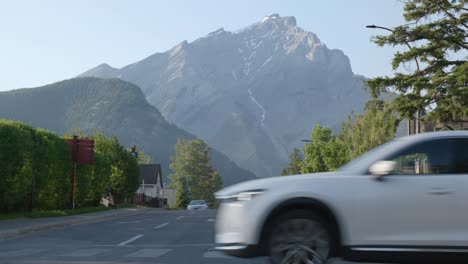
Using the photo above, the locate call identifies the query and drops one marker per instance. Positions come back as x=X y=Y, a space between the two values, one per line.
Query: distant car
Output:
x=403 y=202
x=197 y=205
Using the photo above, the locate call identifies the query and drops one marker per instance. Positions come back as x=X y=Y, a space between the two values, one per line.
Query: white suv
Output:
x=404 y=201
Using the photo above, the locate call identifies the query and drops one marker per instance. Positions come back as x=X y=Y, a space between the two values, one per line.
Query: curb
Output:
x=11 y=233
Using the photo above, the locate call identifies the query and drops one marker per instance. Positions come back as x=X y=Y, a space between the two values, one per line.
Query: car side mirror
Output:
x=382 y=168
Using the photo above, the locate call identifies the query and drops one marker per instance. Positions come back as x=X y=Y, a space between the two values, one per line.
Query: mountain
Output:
x=252 y=94
x=111 y=106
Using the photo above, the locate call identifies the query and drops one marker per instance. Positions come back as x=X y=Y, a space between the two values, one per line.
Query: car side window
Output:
x=430 y=157
x=461 y=159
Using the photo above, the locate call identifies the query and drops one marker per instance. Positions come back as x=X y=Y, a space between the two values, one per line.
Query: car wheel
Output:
x=299 y=237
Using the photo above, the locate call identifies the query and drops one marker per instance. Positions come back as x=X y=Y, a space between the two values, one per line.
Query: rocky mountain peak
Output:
x=246 y=92
x=102 y=69
x=288 y=21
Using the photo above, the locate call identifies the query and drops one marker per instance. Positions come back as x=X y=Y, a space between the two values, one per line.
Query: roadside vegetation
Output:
x=36 y=167
x=194 y=178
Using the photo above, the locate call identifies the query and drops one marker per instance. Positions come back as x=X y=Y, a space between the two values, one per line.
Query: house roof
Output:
x=150 y=173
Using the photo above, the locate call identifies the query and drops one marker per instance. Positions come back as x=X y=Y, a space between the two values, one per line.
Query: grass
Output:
x=54 y=213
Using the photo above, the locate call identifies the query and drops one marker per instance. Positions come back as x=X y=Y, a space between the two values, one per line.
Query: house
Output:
x=151 y=184
x=169 y=194
x=428 y=126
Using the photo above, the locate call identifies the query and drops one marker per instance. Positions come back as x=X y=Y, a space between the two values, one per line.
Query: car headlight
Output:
x=242 y=196
x=249 y=195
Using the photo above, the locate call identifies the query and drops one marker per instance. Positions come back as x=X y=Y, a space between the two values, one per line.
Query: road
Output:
x=164 y=237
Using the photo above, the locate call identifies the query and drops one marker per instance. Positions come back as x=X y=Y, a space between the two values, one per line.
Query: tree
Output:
x=325 y=153
x=214 y=184
x=114 y=170
x=118 y=167
x=436 y=34
x=294 y=165
x=359 y=134
x=193 y=176
x=363 y=132
x=144 y=158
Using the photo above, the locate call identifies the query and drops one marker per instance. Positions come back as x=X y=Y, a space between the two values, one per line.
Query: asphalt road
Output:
x=170 y=237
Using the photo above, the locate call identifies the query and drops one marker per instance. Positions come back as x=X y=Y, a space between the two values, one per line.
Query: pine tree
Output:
x=294 y=165
x=437 y=82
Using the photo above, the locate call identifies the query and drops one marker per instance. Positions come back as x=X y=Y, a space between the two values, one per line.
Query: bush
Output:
x=35 y=169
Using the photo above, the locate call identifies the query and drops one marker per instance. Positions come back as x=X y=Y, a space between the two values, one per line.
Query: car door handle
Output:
x=438 y=191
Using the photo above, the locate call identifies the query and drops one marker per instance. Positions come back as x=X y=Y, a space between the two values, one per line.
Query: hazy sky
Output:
x=47 y=41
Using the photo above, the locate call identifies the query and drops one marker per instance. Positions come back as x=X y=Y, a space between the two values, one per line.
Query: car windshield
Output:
x=197 y=203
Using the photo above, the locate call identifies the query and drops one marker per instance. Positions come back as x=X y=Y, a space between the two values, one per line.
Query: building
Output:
x=169 y=195
x=428 y=126
x=151 y=185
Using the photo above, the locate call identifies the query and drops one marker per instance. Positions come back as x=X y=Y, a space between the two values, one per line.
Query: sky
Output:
x=45 y=41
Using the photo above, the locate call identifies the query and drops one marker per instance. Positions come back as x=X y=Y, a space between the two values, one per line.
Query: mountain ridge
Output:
x=252 y=93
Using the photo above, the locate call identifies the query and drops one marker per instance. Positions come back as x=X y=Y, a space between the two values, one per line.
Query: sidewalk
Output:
x=16 y=227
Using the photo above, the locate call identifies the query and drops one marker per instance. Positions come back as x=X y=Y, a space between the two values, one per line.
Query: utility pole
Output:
x=73 y=175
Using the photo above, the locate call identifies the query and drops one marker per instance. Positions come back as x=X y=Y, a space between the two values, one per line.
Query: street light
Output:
x=417 y=67
x=306 y=140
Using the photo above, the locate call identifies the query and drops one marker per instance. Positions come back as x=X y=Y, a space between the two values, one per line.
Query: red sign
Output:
x=85 y=156
x=82 y=150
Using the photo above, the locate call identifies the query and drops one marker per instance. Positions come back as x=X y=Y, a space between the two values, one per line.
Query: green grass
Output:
x=54 y=213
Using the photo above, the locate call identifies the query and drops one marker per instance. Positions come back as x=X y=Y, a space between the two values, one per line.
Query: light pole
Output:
x=306 y=140
x=417 y=67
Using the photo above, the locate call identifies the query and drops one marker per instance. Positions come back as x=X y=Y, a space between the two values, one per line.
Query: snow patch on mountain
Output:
x=262 y=121
x=234 y=75
x=267 y=60
x=247 y=68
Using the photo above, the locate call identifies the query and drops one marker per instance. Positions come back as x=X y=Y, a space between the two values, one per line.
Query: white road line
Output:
x=211 y=220
x=161 y=225
x=130 y=222
x=130 y=240
x=180 y=217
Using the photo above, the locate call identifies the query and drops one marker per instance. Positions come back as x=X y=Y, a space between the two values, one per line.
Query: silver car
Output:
x=197 y=205
x=405 y=201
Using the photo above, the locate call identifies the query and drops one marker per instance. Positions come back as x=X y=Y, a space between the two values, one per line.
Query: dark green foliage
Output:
x=294 y=165
x=35 y=170
x=437 y=84
x=325 y=153
x=361 y=133
x=114 y=171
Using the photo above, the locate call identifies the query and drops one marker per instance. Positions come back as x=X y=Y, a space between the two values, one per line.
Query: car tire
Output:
x=299 y=236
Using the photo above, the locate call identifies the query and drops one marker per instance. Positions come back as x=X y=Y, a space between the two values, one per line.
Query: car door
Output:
x=459 y=182
x=423 y=204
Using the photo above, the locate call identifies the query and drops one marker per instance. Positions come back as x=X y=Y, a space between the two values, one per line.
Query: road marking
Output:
x=211 y=220
x=130 y=240
x=180 y=217
x=161 y=225
x=130 y=222
x=149 y=253
x=84 y=253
